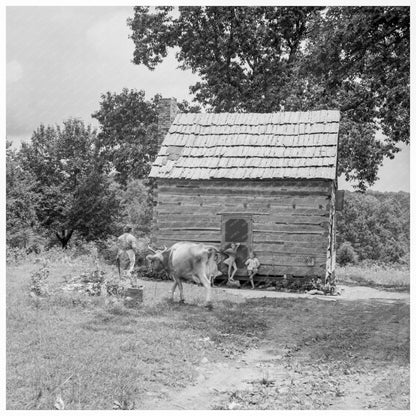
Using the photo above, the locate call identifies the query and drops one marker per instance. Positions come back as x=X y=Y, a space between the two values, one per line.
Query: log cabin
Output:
x=267 y=181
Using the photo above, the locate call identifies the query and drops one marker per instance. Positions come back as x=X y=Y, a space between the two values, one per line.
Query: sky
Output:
x=59 y=60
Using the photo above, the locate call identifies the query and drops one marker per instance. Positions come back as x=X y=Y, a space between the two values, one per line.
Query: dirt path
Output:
x=347 y=293
x=215 y=382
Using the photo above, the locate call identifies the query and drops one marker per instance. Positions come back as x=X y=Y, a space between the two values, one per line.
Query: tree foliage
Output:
x=69 y=178
x=136 y=205
x=128 y=142
x=128 y=137
x=95 y=209
x=346 y=254
x=70 y=188
x=264 y=59
x=359 y=58
x=20 y=200
x=376 y=224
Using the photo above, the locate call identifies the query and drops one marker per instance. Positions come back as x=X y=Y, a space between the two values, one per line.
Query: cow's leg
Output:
x=207 y=285
x=182 y=299
x=175 y=284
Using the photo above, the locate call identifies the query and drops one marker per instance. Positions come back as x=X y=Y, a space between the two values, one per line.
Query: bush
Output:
x=90 y=283
x=346 y=254
x=377 y=223
x=107 y=249
x=405 y=260
x=39 y=281
x=56 y=254
x=82 y=247
x=136 y=204
x=15 y=255
x=26 y=239
x=153 y=275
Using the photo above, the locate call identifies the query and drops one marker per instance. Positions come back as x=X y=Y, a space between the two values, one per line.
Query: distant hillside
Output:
x=377 y=224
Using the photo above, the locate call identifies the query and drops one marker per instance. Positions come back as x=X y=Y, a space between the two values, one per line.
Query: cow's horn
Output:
x=165 y=248
x=151 y=249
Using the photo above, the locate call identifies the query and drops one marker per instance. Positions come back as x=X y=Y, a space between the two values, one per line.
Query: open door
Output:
x=238 y=229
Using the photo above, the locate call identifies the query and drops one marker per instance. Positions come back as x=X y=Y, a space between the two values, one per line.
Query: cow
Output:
x=187 y=261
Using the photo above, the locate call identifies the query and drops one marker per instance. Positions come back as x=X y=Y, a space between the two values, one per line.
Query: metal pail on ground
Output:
x=134 y=297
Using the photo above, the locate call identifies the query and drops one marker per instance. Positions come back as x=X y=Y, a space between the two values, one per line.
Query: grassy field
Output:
x=386 y=277
x=92 y=353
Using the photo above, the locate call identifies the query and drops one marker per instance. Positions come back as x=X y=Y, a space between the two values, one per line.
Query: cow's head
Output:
x=158 y=261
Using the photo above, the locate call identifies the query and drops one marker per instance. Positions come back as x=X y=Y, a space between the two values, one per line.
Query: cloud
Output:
x=14 y=72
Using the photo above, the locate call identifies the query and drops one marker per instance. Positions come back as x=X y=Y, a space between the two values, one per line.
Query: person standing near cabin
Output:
x=127 y=244
x=253 y=265
x=230 y=261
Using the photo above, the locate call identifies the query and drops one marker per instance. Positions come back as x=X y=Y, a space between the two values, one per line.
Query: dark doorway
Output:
x=237 y=229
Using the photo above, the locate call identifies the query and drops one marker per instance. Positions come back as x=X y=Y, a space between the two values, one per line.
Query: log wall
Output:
x=292 y=220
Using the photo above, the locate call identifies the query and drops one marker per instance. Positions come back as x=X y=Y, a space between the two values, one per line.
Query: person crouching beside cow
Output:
x=127 y=244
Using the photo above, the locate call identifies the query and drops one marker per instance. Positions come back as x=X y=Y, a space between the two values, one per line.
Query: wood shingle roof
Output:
x=250 y=146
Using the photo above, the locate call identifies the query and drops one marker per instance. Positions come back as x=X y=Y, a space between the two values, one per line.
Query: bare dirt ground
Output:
x=347 y=293
x=215 y=381
x=218 y=384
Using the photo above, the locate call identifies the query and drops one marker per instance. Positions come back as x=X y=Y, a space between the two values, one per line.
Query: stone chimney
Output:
x=167 y=110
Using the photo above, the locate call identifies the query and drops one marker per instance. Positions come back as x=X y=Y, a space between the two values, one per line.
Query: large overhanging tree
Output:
x=263 y=59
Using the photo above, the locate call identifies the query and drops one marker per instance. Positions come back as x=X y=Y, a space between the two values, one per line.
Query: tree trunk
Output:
x=64 y=237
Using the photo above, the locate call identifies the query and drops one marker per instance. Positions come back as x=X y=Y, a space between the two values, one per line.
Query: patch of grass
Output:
x=109 y=355
x=106 y=351
x=387 y=277
x=351 y=331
